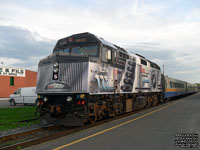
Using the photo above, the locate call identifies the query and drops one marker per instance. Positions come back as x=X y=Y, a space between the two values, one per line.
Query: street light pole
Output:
x=163 y=69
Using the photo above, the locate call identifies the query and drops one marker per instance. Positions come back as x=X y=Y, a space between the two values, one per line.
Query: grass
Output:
x=10 y=117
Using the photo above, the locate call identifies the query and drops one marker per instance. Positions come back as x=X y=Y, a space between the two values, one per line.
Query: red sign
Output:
x=115 y=71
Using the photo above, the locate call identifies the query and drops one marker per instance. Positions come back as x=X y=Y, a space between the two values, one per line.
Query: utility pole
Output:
x=163 y=69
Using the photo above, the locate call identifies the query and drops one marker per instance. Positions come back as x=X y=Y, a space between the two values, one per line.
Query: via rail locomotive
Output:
x=87 y=78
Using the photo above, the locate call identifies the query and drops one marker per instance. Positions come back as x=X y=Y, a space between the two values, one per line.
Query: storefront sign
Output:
x=12 y=72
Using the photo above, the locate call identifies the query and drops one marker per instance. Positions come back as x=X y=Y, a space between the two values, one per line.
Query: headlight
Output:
x=45 y=99
x=55 y=70
x=82 y=96
x=55 y=64
x=69 y=98
x=55 y=76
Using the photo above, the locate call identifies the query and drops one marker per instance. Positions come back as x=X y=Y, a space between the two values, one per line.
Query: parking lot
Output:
x=4 y=102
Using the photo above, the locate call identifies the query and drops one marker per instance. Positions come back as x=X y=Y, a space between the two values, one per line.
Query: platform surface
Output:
x=153 y=129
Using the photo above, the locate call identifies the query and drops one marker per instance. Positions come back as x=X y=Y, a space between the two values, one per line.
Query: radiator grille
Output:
x=45 y=74
x=71 y=73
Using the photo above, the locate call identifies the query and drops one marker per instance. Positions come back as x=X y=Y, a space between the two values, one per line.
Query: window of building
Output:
x=1 y=69
x=11 y=81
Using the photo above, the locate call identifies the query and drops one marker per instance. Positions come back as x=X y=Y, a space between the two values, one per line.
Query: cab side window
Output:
x=106 y=55
x=143 y=62
x=103 y=55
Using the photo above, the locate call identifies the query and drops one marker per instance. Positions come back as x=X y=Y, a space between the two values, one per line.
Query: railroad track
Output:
x=21 y=137
x=40 y=135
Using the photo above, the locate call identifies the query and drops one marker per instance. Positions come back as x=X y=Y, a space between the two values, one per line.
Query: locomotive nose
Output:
x=61 y=73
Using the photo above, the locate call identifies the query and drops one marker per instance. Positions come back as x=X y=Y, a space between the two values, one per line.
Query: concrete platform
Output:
x=153 y=129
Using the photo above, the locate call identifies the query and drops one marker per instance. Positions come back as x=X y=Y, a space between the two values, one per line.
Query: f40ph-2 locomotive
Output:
x=87 y=79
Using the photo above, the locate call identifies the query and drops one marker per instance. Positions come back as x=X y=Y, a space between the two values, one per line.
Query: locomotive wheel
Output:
x=161 y=99
x=155 y=100
x=149 y=102
x=12 y=102
x=146 y=102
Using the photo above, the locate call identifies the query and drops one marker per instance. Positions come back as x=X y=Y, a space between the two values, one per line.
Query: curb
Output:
x=4 y=99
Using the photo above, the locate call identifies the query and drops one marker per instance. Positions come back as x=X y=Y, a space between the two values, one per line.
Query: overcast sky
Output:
x=164 y=31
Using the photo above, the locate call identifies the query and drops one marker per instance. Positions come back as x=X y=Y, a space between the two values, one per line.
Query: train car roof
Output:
x=170 y=78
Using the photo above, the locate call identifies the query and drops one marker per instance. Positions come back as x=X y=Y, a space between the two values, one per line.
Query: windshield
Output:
x=18 y=91
x=86 y=50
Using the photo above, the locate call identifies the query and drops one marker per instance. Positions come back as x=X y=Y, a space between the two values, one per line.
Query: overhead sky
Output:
x=164 y=31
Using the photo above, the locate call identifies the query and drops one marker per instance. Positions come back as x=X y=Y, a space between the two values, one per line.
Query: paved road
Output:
x=4 y=103
x=153 y=129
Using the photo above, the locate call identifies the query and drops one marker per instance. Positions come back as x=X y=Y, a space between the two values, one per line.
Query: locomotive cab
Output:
x=63 y=82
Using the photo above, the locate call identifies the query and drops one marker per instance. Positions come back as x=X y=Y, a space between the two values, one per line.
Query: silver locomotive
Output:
x=87 y=79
